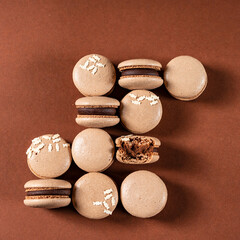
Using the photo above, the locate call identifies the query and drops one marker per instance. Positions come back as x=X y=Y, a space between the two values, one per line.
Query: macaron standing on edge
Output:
x=140 y=111
x=140 y=74
x=49 y=156
x=94 y=75
x=143 y=194
x=47 y=193
x=95 y=196
x=133 y=149
x=93 y=150
x=185 y=78
x=97 y=112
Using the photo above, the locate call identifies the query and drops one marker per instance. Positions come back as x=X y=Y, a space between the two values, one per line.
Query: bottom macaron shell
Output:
x=140 y=82
x=97 y=122
x=49 y=203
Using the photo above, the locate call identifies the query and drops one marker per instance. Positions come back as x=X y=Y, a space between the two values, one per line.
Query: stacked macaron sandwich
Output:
x=95 y=195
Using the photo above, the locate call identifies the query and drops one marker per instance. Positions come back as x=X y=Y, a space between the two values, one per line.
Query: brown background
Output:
x=40 y=42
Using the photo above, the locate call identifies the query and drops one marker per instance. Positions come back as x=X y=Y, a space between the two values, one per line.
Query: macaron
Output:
x=95 y=196
x=49 y=156
x=140 y=111
x=97 y=112
x=143 y=194
x=94 y=75
x=140 y=74
x=93 y=150
x=133 y=149
x=185 y=78
x=47 y=193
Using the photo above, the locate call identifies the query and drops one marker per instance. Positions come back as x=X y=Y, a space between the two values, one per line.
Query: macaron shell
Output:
x=47 y=202
x=139 y=63
x=143 y=194
x=185 y=78
x=93 y=150
x=143 y=117
x=140 y=82
x=96 y=121
x=90 y=188
x=97 y=101
x=91 y=83
x=49 y=183
x=50 y=164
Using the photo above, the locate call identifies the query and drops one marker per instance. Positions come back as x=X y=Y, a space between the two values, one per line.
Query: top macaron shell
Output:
x=133 y=82
x=49 y=156
x=185 y=78
x=140 y=111
x=94 y=75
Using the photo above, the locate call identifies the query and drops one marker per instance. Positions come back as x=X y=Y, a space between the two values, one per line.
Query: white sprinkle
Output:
x=154 y=97
x=100 y=65
x=125 y=139
x=29 y=150
x=108 y=196
x=50 y=147
x=85 y=65
x=141 y=98
x=92 y=59
x=56 y=140
x=41 y=146
x=94 y=70
x=29 y=154
x=90 y=67
x=153 y=103
x=132 y=95
x=55 y=136
x=108 y=191
x=66 y=145
x=57 y=147
x=108 y=212
x=36 y=150
x=113 y=201
x=96 y=57
x=149 y=98
x=136 y=102
x=97 y=203
x=36 y=141
x=106 y=205
x=46 y=137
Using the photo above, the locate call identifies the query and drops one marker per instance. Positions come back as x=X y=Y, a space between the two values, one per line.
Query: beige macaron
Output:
x=95 y=196
x=133 y=149
x=140 y=74
x=47 y=193
x=49 y=156
x=185 y=78
x=94 y=75
x=97 y=112
x=143 y=194
x=140 y=111
x=93 y=150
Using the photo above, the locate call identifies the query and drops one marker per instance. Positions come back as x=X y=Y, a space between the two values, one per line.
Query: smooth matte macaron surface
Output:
x=140 y=111
x=185 y=78
x=47 y=193
x=143 y=194
x=97 y=112
x=93 y=150
x=95 y=196
x=140 y=74
x=49 y=156
x=94 y=75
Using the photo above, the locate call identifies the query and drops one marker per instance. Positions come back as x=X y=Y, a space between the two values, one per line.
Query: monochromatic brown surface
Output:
x=41 y=41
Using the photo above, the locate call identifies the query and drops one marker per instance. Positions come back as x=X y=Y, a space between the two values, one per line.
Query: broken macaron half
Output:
x=133 y=149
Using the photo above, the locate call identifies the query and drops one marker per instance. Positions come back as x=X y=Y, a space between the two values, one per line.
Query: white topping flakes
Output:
x=136 y=102
x=141 y=98
x=50 y=147
x=113 y=201
x=55 y=136
x=105 y=205
x=36 y=141
x=56 y=140
x=97 y=57
x=46 y=137
x=153 y=99
x=108 y=191
x=107 y=212
x=97 y=203
x=132 y=95
x=57 y=147
x=65 y=145
x=108 y=196
x=153 y=103
x=125 y=139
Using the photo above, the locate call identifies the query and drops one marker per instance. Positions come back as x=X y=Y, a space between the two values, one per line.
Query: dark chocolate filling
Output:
x=49 y=192
x=140 y=71
x=97 y=111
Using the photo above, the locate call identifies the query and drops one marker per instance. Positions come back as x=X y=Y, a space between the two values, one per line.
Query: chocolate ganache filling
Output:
x=97 y=111
x=140 y=71
x=49 y=192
